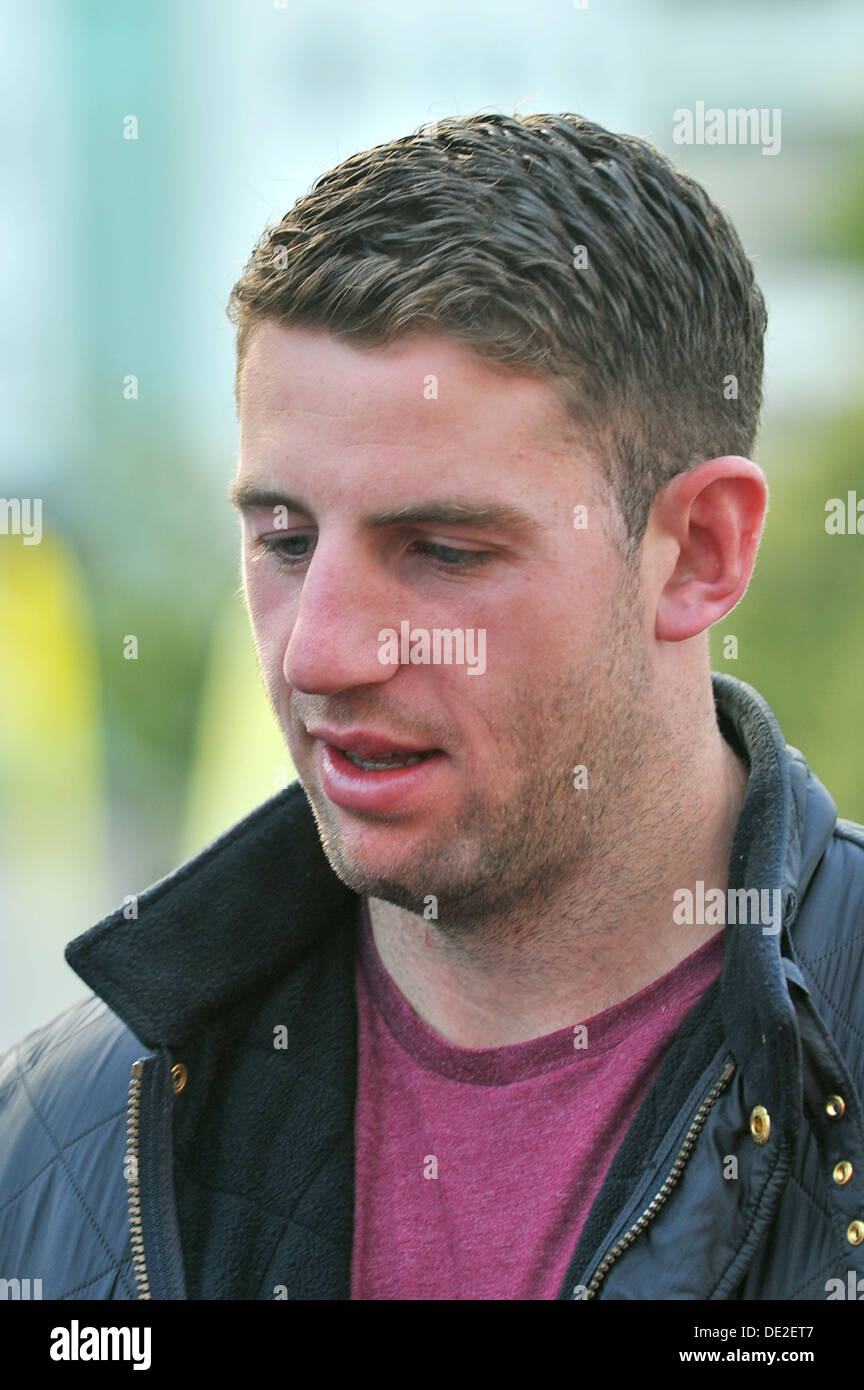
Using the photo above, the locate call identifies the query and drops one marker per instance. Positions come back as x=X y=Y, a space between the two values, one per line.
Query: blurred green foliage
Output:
x=800 y=627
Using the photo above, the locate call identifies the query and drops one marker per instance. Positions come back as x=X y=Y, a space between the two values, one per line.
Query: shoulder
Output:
x=851 y=831
x=78 y=1064
x=63 y=1095
x=828 y=940
x=832 y=914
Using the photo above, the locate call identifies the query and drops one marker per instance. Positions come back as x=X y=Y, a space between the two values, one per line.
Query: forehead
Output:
x=417 y=390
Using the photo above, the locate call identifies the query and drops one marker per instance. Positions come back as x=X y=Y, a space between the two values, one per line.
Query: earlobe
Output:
x=713 y=514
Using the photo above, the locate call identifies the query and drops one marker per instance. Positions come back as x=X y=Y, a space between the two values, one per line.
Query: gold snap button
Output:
x=760 y=1124
x=179 y=1077
x=855 y=1233
x=835 y=1106
x=842 y=1172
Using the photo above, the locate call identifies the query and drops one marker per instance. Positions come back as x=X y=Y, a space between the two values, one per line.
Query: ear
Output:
x=705 y=524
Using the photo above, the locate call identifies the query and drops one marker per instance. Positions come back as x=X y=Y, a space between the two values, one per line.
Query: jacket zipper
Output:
x=662 y=1196
x=136 y=1233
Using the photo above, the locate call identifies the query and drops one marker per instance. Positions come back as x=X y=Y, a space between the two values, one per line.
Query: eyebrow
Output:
x=446 y=511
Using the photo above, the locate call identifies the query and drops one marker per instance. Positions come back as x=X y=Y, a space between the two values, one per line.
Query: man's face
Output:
x=423 y=487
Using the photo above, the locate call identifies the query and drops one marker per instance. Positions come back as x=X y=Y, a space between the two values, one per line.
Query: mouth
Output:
x=370 y=750
x=385 y=764
x=366 y=771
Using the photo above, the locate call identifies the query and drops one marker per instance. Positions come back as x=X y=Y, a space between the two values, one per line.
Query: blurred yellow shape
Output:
x=240 y=758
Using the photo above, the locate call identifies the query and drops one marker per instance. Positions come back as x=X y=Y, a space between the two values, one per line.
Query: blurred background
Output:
x=118 y=255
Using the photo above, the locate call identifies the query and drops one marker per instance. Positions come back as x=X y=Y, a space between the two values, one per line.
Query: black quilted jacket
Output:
x=155 y=1144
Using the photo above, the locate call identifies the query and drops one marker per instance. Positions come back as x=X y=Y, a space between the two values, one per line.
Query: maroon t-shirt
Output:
x=476 y=1167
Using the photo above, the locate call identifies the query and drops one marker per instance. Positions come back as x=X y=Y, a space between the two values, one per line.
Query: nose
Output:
x=343 y=606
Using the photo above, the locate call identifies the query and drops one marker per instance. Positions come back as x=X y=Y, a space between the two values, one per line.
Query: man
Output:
x=540 y=983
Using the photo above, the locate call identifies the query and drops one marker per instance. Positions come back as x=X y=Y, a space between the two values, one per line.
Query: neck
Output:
x=593 y=940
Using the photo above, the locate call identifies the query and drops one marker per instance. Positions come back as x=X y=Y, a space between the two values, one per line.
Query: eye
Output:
x=448 y=557
x=291 y=551
x=287 y=550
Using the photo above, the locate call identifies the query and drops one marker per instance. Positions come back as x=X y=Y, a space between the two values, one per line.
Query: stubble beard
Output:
x=491 y=864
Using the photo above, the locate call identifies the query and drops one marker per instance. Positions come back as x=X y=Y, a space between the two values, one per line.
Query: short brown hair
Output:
x=473 y=228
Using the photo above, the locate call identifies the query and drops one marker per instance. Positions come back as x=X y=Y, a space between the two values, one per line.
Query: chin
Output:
x=364 y=880
x=364 y=872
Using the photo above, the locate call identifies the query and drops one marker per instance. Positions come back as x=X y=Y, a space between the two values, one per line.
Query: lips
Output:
x=369 y=746
x=367 y=771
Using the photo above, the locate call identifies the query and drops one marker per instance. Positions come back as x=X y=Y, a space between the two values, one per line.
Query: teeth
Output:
x=381 y=765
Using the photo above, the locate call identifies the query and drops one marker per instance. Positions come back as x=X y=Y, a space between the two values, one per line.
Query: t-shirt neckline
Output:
x=603 y=1031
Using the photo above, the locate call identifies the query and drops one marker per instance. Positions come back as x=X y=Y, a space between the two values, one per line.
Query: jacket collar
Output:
x=244 y=911
x=785 y=823
x=228 y=922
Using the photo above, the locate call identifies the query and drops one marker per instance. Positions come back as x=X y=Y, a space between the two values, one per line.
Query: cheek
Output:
x=270 y=616
x=536 y=628
x=265 y=595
